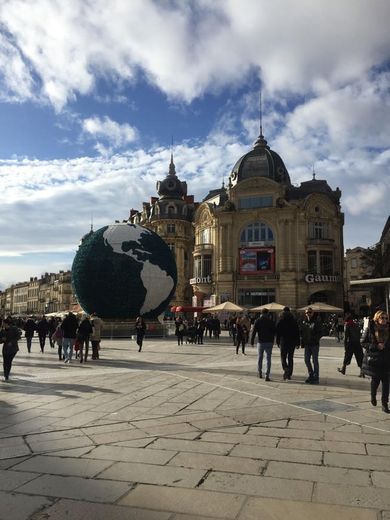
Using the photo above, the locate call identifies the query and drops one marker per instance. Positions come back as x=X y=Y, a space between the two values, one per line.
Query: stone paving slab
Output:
x=119 y=454
x=76 y=510
x=258 y=486
x=63 y=466
x=269 y=509
x=259 y=452
x=218 y=463
x=317 y=473
x=77 y=488
x=20 y=507
x=153 y=474
x=188 y=501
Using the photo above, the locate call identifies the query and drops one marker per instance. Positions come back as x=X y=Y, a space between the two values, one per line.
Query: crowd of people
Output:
x=72 y=336
x=368 y=342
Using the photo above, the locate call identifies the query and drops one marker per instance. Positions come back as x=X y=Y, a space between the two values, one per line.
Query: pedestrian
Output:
x=287 y=339
x=179 y=330
x=9 y=336
x=376 y=360
x=83 y=334
x=352 y=344
x=265 y=329
x=42 y=329
x=69 y=327
x=57 y=337
x=52 y=327
x=241 y=335
x=140 y=329
x=97 y=325
x=29 y=329
x=310 y=333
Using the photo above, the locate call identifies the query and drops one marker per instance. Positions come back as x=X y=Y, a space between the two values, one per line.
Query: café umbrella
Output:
x=321 y=307
x=272 y=306
x=225 y=307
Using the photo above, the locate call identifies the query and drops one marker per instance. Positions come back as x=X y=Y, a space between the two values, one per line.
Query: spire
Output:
x=314 y=174
x=260 y=141
x=172 y=169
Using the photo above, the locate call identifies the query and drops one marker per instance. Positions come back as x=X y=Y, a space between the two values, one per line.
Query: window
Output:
x=205 y=236
x=255 y=202
x=318 y=230
x=353 y=263
x=257 y=232
x=320 y=262
x=172 y=248
x=171 y=228
x=202 y=266
x=256 y=297
x=326 y=262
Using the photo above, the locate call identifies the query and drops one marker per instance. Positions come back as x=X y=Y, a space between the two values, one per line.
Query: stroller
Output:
x=191 y=334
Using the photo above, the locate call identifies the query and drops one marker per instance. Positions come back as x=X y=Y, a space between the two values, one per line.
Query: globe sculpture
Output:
x=123 y=271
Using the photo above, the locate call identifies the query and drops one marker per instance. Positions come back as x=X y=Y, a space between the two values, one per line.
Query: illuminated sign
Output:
x=257 y=260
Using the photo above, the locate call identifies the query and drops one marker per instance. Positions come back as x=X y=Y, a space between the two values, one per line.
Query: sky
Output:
x=92 y=93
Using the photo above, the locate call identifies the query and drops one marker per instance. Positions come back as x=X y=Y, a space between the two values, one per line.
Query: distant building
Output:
x=358 y=298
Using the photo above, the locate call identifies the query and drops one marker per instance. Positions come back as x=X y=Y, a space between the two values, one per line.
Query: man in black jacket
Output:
x=69 y=326
x=311 y=332
x=287 y=338
x=264 y=327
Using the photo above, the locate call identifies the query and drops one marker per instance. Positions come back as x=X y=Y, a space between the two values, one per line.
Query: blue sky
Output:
x=92 y=92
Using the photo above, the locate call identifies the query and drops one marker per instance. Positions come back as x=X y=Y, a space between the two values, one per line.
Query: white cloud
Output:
x=187 y=49
x=114 y=134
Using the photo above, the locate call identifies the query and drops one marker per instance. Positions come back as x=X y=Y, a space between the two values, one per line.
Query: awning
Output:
x=186 y=308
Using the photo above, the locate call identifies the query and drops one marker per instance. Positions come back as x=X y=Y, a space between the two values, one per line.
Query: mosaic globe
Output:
x=123 y=271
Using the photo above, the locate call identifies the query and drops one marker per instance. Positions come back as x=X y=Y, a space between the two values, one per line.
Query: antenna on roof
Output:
x=91 y=221
x=314 y=174
x=261 y=113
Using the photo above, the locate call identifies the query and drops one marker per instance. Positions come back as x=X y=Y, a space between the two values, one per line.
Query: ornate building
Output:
x=171 y=215
x=260 y=239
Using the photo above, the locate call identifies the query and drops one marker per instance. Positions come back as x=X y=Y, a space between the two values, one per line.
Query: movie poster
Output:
x=257 y=260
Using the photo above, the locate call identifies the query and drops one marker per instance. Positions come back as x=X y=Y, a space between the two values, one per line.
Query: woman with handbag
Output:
x=376 y=361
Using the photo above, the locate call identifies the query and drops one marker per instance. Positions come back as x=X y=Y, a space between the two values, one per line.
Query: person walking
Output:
x=140 y=329
x=376 y=360
x=241 y=335
x=57 y=337
x=264 y=328
x=42 y=329
x=179 y=330
x=52 y=323
x=9 y=336
x=352 y=344
x=29 y=329
x=69 y=327
x=310 y=334
x=96 y=323
x=83 y=334
x=287 y=339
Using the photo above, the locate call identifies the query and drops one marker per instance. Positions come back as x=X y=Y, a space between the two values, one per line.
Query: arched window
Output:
x=257 y=232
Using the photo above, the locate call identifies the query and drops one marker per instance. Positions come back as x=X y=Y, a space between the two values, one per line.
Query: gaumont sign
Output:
x=200 y=279
x=324 y=278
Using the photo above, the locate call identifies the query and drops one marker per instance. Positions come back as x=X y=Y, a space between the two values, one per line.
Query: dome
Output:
x=171 y=187
x=260 y=162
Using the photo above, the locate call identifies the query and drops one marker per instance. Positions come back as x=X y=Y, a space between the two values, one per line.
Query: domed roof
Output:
x=171 y=187
x=260 y=162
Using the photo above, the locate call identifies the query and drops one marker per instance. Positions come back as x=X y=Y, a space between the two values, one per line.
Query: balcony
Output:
x=320 y=241
x=200 y=248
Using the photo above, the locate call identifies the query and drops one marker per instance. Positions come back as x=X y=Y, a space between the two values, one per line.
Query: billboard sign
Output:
x=257 y=260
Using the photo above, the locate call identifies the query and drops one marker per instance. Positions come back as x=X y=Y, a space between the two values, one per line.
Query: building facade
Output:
x=358 y=298
x=171 y=216
x=261 y=239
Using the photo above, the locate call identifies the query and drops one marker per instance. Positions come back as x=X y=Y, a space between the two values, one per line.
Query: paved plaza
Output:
x=189 y=433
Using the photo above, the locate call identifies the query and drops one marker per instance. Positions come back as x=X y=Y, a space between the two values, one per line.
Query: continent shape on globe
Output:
x=122 y=271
